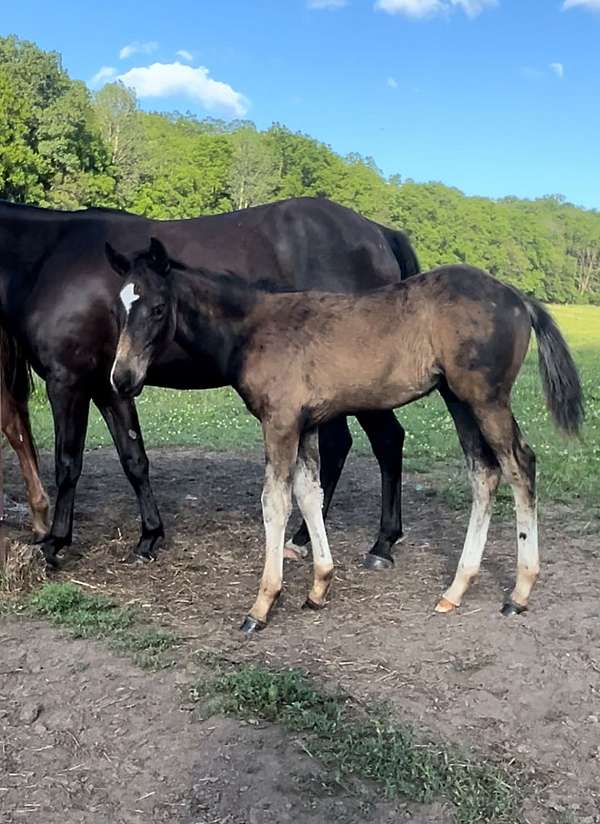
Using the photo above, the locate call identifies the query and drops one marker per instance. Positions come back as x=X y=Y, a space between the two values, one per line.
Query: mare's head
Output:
x=145 y=312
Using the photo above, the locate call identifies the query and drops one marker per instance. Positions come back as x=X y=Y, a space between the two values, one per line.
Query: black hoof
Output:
x=309 y=604
x=251 y=626
x=52 y=562
x=147 y=548
x=50 y=547
x=377 y=562
x=510 y=608
x=135 y=559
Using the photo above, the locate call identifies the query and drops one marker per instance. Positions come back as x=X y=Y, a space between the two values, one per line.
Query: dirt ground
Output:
x=87 y=737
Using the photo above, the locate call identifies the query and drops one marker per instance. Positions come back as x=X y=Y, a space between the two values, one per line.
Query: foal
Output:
x=299 y=359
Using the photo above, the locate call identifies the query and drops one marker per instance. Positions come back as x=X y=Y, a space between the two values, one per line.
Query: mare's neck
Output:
x=214 y=315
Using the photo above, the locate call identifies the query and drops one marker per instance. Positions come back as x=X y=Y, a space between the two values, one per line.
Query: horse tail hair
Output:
x=403 y=251
x=560 y=379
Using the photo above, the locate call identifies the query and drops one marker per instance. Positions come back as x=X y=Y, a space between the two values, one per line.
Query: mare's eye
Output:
x=158 y=311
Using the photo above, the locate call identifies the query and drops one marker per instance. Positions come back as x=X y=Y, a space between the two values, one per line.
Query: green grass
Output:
x=95 y=616
x=217 y=419
x=367 y=745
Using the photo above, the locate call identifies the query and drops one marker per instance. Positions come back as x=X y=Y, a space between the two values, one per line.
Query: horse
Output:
x=298 y=360
x=57 y=293
x=15 y=424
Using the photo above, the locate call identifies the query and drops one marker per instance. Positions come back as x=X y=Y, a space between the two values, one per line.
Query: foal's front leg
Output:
x=281 y=451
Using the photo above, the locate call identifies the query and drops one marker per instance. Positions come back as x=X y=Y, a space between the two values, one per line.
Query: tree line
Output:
x=65 y=147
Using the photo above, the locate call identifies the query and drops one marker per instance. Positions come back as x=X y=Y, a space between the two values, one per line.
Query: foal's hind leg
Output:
x=518 y=468
x=309 y=495
x=484 y=473
x=16 y=427
x=334 y=444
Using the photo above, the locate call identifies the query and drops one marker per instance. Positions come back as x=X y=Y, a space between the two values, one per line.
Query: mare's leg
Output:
x=309 y=495
x=122 y=420
x=16 y=427
x=484 y=474
x=517 y=461
x=70 y=409
x=386 y=436
x=281 y=452
x=334 y=444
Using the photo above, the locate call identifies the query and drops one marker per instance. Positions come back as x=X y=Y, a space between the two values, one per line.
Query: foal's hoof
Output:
x=377 y=562
x=295 y=552
x=310 y=604
x=512 y=608
x=251 y=626
x=444 y=606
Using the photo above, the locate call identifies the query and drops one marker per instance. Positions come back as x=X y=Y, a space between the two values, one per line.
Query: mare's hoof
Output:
x=52 y=562
x=377 y=562
x=310 y=604
x=295 y=552
x=512 y=608
x=251 y=626
x=444 y=606
x=135 y=558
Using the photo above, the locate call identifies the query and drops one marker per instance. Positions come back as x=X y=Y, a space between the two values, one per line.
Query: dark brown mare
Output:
x=57 y=294
x=298 y=360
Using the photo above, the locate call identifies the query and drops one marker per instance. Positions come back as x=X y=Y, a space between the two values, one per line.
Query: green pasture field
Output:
x=217 y=419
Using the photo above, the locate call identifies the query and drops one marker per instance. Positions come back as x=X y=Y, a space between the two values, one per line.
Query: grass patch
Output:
x=217 y=419
x=96 y=616
x=368 y=746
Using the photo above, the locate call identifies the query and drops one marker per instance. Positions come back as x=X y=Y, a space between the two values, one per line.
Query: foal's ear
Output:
x=118 y=261
x=159 y=257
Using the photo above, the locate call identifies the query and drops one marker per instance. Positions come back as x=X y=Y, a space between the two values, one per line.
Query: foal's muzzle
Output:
x=127 y=378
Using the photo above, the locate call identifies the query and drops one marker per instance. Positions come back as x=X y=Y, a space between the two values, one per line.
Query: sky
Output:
x=495 y=97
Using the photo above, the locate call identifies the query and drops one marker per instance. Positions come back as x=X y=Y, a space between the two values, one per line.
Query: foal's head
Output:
x=145 y=312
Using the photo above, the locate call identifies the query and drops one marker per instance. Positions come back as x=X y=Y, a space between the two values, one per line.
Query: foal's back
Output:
x=328 y=353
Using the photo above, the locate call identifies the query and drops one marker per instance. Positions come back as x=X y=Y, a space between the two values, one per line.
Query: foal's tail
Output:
x=560 y=378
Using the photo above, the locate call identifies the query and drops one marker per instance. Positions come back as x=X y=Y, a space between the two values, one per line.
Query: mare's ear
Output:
x=158 y=257
x=118 y=261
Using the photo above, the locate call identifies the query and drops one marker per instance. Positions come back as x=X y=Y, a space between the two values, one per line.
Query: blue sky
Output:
x=496 y=97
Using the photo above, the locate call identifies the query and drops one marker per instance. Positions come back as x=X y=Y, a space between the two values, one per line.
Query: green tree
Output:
x=253 y=171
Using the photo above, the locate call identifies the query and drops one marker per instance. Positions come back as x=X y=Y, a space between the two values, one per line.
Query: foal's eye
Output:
x=158 y=311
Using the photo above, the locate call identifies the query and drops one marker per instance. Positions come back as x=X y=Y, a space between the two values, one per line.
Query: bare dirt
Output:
x=88 y=737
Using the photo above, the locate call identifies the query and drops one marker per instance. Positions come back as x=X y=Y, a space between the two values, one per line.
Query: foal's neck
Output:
x=214 y=315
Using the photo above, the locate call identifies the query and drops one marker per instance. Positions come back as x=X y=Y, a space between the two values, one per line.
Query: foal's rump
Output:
x=483 y=328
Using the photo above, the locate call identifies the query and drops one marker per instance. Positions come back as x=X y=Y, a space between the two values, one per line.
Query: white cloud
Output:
x=411 y=8
x=327 y=4
x=168 y=79
x=185 y=55
x=474 y=7
x=138 y=48
x=103 y=74
x=392 y=82
x=592 y=5
x=558 y=69
x=428 y=8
